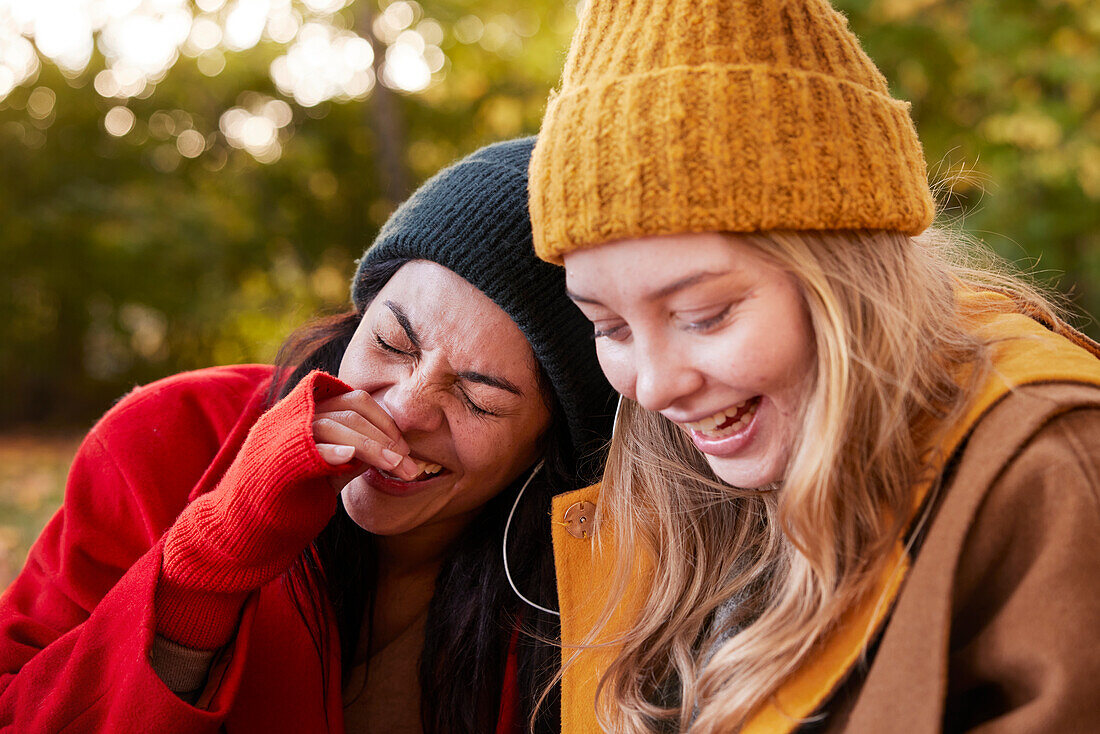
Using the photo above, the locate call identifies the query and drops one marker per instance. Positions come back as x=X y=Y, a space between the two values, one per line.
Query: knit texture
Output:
x=728 y=115
x=269 y=506
x=472 y=219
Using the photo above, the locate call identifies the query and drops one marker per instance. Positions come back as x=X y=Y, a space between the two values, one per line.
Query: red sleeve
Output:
x=76 y=626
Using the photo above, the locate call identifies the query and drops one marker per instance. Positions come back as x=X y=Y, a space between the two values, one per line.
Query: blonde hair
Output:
x=895 y=362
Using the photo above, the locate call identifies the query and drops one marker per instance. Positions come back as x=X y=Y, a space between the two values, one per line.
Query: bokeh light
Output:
x=413 y=55
x=40 y=103
x=119 y=121
x=190 y=143
x=245 y=24
x=325 y=64
x=283 y=22
x=18 y=60
x=405 y=67
x=255 y=126
x=146 y=41
x=468 y=29
x=62 y=31
x=325 y=6
x=205 y=35
x=141 y=40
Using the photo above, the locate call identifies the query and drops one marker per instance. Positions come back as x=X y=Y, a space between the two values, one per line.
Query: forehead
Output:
x=651 y=267
x=446 y=311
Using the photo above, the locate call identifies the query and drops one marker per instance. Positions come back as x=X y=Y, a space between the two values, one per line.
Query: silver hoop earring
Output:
x=618 y=410
x=504 y=545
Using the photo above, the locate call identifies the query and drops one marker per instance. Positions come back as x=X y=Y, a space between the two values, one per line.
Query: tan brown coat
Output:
x=997 y=628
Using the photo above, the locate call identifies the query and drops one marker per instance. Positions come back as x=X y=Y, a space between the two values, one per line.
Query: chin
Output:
x=374 y=525
x=764 y=478
x=367 y=515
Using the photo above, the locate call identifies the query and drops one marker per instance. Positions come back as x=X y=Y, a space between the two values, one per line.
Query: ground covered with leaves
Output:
x=32 y=484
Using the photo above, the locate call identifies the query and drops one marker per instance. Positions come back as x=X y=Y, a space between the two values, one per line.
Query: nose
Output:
x=413 y=403
x=663 y=374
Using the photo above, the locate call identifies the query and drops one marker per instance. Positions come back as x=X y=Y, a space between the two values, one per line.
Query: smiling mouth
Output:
x=428 y=470
x=726 y=422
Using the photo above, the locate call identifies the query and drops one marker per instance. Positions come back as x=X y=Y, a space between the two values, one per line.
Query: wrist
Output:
x=272 y=502
x=201 y=620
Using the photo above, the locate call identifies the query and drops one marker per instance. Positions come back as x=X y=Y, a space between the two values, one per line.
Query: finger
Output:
x=362 y=404
x=367 y=448
x=356 y=422
x=406 y=468
x=336 y=454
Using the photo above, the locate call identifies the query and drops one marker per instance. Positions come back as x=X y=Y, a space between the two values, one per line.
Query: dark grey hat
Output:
x=472 y=219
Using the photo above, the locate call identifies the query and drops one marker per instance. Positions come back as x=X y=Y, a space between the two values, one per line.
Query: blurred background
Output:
x=182 y=183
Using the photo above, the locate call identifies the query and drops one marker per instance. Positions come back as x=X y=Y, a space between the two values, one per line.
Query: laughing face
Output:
x=702 y=329
x=459 y=379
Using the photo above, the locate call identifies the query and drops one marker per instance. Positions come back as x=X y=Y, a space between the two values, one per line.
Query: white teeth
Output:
x=707 y=426
x=422 y=468
x=426 y=468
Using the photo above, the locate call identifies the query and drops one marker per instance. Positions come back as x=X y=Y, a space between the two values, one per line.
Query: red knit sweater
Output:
x=76 y=626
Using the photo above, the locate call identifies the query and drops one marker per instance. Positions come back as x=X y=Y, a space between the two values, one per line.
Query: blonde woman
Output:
x=854 y=482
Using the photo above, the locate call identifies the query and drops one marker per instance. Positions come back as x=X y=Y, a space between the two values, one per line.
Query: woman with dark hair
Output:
x=202 y=575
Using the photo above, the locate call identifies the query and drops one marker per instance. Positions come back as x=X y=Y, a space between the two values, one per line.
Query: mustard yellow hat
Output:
x=725 y=115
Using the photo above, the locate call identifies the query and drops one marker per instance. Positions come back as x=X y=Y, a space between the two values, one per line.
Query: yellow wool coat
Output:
x=994 y=626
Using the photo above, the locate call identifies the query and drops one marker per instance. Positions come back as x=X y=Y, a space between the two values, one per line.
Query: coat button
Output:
x=578 y=519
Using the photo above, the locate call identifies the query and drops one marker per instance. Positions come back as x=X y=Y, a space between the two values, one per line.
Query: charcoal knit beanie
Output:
x=471 y=218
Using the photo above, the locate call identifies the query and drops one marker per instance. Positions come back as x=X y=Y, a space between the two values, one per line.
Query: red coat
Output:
x=77 y=625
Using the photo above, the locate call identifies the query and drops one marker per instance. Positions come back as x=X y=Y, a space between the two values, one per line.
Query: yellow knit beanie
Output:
x=721 y=115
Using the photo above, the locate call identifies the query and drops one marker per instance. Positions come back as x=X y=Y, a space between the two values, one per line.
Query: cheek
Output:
x=490 y=459
x=492 y=452
x=797 y=357
x=771 y=353
x=361 y=367
x=474 y=451
x=617 y=365
x=351 y=359
x=740 y=358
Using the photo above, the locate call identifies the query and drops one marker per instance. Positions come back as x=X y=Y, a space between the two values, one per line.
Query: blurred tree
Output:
x=1006 y=96
x=182 y=183
x=194 y=215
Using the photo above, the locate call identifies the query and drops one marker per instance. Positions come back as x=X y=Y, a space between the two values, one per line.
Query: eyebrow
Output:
x=469 y=376
x=497 y=382
x=663 y=291
x=403 y=319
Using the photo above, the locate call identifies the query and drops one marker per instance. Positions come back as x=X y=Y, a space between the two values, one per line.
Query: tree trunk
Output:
x=383 y=116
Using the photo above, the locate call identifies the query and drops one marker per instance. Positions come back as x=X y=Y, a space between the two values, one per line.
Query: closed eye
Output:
x=709 y=322
x=466 y=399
x=615 y=333
x=474 y=407
x=389 y=347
